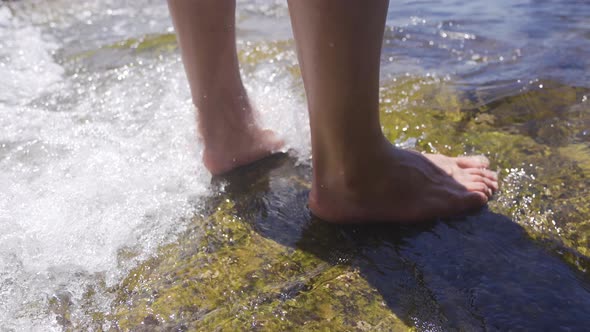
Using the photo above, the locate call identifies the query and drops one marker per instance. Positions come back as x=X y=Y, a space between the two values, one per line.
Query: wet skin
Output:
x=358 y=176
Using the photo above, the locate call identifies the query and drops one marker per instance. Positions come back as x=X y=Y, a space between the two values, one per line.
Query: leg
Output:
x=358 y=174
x=206 y=33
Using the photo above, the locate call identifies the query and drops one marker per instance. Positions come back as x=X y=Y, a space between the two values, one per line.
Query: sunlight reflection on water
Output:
x=98 y=150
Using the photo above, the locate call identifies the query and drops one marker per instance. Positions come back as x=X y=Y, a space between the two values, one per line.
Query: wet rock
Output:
x=236 y=278
x=256 y=259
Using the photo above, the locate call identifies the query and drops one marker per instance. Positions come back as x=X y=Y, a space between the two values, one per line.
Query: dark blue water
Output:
x=98 y=156
x=486 y=42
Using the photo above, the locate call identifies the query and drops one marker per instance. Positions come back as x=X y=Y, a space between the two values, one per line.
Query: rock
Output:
x=255 y=259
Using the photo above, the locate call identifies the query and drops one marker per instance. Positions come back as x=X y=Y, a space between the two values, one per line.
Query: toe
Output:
x=482 y=176
x=479 y=186
x=483 y=172
x=474 y=200
x=493 y=185
x=472 y=162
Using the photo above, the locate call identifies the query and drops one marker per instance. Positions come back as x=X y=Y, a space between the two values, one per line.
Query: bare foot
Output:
x=239 y=148
x=402 y=186
x=230 y=133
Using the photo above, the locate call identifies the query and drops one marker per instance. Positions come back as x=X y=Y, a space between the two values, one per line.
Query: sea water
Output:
x=99 y=155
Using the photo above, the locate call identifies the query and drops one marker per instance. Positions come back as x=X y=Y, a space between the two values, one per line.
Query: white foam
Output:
x=26 y=64
x=81 y=183
x=280 y=102
x=94 y=160
x=90 y=164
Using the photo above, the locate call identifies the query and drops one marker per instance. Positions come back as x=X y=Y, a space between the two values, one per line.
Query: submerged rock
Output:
x=255 y=259
x=228 y=274
x=545 y=177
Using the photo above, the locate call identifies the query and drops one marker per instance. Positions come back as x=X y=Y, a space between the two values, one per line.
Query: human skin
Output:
x=358 y=176
x=205 y=30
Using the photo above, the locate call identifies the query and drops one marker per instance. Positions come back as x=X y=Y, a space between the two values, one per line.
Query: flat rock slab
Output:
x=258 y=260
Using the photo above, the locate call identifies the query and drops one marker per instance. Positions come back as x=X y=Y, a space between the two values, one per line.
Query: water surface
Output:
x=99 y=163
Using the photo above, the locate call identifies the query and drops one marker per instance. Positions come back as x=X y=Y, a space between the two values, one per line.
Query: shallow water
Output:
x=98 y=157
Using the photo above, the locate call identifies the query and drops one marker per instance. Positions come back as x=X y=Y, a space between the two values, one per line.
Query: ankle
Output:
x=350 y=166
x=227 y=153
x=226 y=120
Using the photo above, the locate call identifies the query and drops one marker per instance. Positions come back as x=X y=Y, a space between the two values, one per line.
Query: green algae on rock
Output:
x=153 y=44
x=425 y=110
x=544 y=187
x=158 y=42
x=226 y=275
x=231 y=278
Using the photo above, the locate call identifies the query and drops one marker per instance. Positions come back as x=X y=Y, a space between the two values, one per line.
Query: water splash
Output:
x=98 y=155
